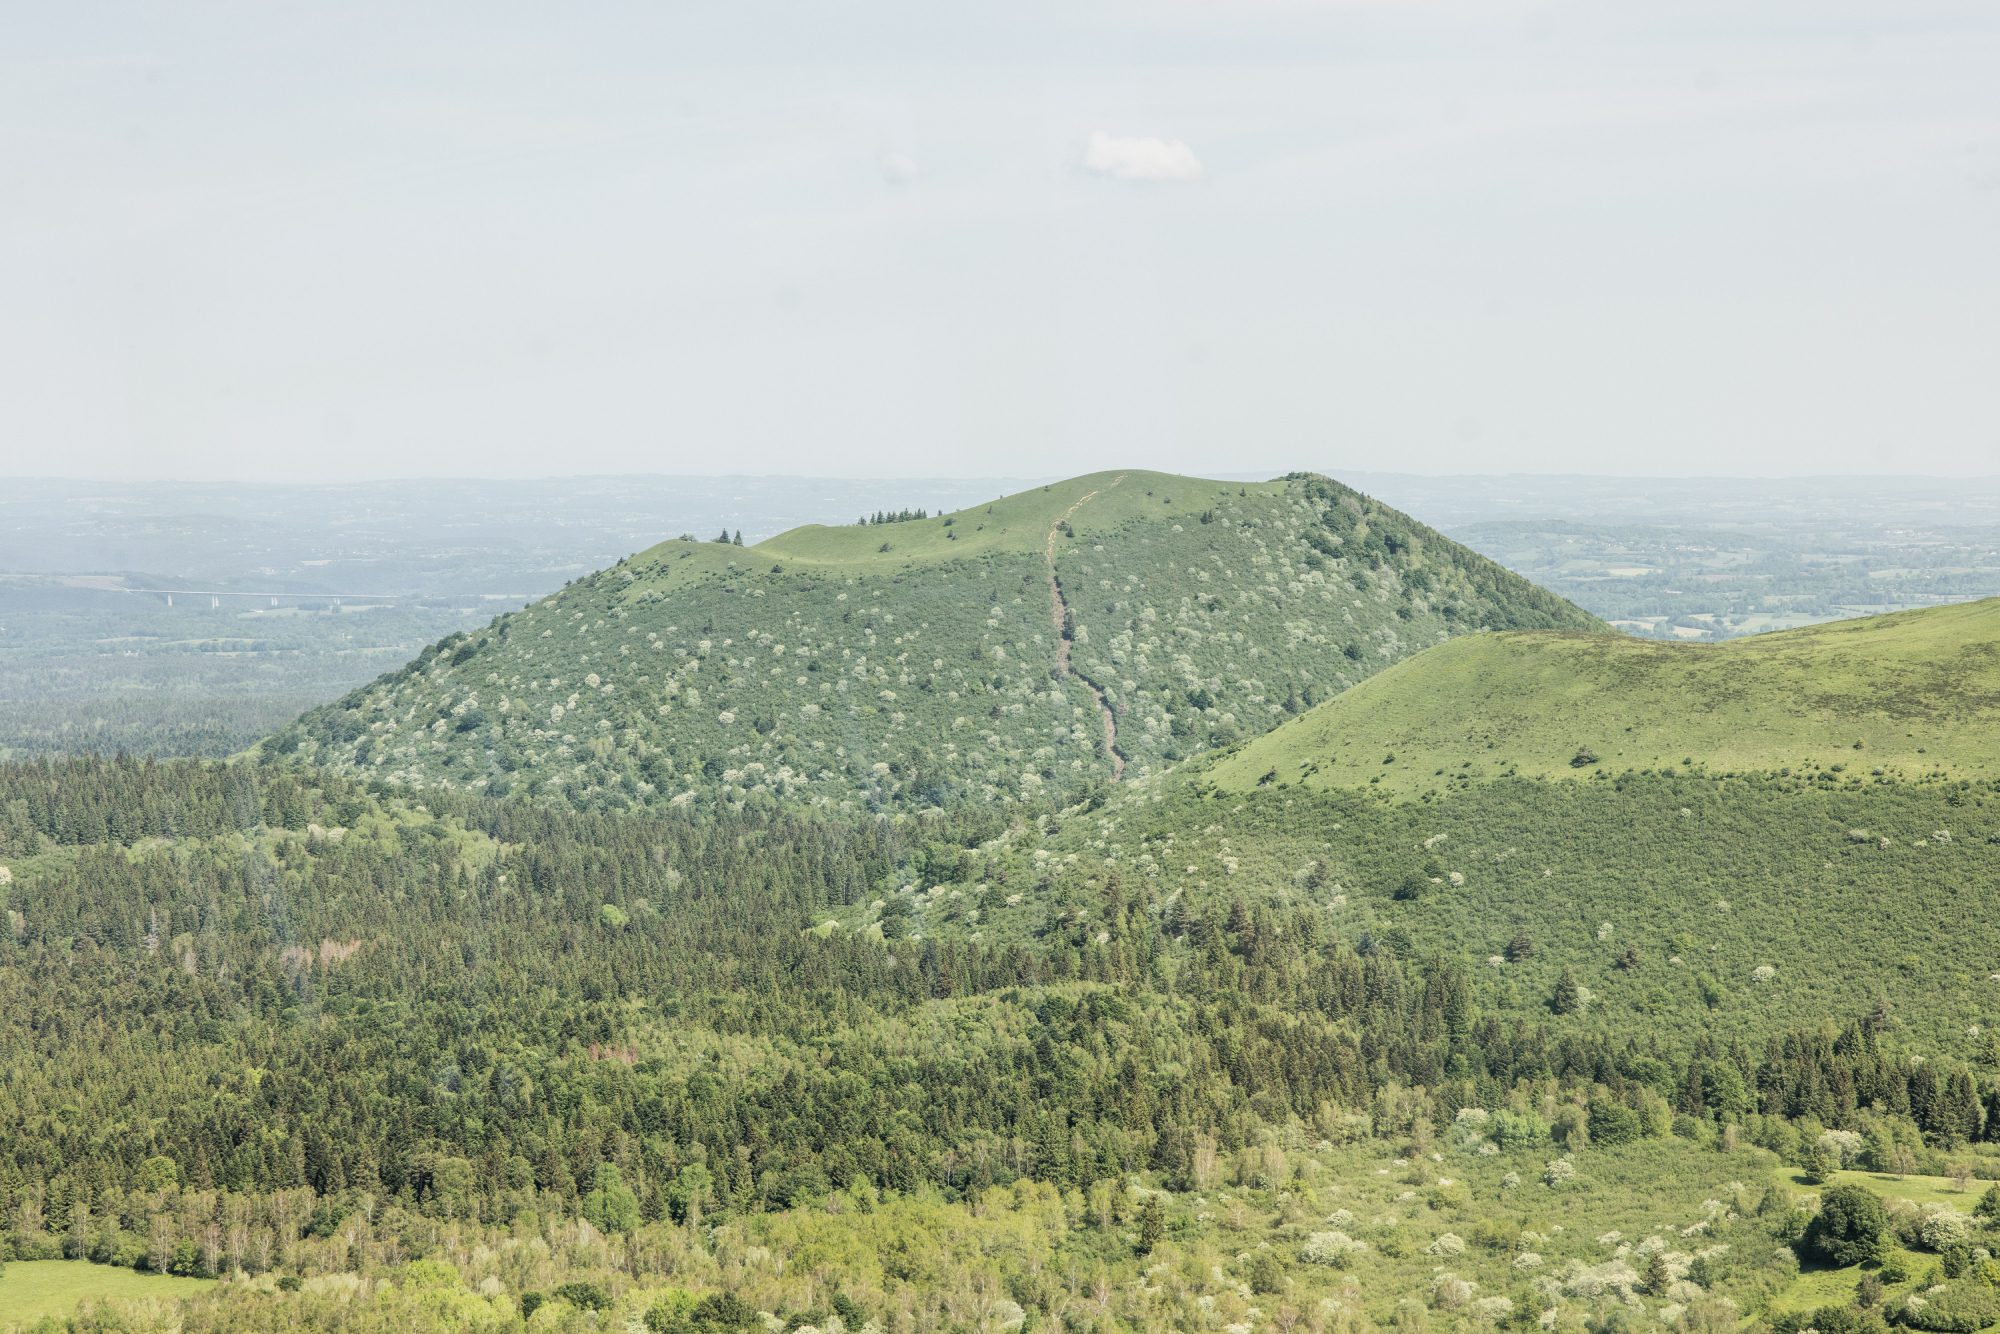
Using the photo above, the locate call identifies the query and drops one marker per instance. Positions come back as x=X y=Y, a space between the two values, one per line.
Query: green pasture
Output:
x=31 y=1289
x=1906 y=696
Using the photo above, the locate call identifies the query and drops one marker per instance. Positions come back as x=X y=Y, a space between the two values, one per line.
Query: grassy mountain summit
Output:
x=1915 y=695
x=1037 y=645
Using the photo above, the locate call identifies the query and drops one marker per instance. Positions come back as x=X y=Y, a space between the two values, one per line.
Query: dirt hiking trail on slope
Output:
x=1061 y=611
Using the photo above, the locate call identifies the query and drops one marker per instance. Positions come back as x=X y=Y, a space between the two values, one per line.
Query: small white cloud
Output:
x=897 y=169
x=1141 y=159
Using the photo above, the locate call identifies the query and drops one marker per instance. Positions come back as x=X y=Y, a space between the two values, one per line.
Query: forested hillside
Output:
x=964 y=1069
x=1028 y=649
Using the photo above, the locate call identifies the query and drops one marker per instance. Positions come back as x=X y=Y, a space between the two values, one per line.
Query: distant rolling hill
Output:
x=1910 y=696
x=1037 y=646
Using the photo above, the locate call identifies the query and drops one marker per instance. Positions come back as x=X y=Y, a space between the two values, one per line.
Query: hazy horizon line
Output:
x=1031 y=480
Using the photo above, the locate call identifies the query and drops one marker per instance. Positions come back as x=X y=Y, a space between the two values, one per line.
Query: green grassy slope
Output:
x=1034 y=646
x=33 y=1289
x=1919 y=691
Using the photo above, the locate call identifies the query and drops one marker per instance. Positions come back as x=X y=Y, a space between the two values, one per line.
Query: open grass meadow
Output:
x=1820 y=1285
x=31 y=1289
x=1917 y=1189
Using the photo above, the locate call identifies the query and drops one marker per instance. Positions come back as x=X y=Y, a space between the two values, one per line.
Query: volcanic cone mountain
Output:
x=1046 y=644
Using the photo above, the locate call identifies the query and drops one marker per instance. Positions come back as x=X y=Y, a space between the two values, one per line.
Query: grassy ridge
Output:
x=1909 y=695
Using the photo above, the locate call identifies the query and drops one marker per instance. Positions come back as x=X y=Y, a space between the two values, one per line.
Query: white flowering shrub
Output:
x=1449 y=1292
x=1943 y=1227
x=1329 y=1248
x=1527 y=1260
x=1512 y=1181
x=1558 y=1171
x=1448 y=1244
x=1763 y=972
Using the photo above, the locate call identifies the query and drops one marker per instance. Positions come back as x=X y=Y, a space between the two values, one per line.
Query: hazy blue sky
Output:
x=869 y=239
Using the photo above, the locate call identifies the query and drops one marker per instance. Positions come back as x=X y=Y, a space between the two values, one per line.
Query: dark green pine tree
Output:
x=1152 y=1224
x=1566 y=999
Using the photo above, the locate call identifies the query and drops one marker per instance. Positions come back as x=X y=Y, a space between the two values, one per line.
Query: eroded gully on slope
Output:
x=1063 y=668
